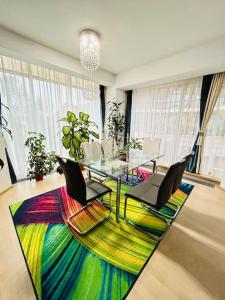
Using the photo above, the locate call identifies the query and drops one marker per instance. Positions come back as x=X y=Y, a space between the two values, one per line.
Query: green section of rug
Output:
x=103 y=264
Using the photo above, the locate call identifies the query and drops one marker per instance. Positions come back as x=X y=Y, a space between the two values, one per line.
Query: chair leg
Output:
x=110 y=201
x=91 y=228
x=154 y=166
x=158 y=213
x=132 y=175
x=137 y=174
x=153 y=236
x=177 y=209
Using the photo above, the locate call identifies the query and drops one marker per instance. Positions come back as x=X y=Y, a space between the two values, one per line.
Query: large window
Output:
x=213 y=160
x=38 y=98
x=169 y=112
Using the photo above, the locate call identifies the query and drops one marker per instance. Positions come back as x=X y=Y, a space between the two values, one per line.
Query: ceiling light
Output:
x=89 y=50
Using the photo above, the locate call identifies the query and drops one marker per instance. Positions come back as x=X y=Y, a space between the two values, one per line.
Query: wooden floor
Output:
x=188 y=264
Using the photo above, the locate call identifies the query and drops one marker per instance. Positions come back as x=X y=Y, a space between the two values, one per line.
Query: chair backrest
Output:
x=156 y=146
x=88 y=151
x=97 y=151
x=151 y=146
x=180 y=174
x=189 y=157
x=184 y=164
x=166 y=187
x=147 y=145
x=107 y=147
x=115 y=148
x=75 y=183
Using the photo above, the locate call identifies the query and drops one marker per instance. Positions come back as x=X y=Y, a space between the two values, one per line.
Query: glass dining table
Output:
x=118 y=166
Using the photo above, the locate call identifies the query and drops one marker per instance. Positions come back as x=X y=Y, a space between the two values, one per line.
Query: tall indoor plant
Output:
x=3 y=121
x=5 y=129
x=134 y=144
x=40 y=162
x=77 y=131
x=116 y=122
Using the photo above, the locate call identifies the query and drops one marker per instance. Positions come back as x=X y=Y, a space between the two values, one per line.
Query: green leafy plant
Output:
x=76 y=132
x=134 y=144
x=116 y=122
x=3 y=126
x=3 y=121
x=40 y=162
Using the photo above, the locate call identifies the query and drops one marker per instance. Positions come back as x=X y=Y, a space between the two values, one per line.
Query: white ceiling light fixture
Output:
x=89 y=50
x=90 y=61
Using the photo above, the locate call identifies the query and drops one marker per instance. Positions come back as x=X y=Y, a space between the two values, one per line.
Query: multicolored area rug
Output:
x=103 y=264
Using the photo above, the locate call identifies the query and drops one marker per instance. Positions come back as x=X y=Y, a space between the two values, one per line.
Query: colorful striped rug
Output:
x=103 y=264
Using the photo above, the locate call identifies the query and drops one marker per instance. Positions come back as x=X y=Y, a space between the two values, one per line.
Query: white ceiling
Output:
x=134 y=32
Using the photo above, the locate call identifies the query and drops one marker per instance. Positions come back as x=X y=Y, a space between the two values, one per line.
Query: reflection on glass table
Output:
x=119 y=165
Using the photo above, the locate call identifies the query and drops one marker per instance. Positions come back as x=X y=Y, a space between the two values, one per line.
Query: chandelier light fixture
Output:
x=89 y=50
x=90 y=61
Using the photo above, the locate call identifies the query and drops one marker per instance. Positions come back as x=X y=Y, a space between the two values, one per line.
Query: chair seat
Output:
x=95 y=190
x=144 y=192
x=156 y=179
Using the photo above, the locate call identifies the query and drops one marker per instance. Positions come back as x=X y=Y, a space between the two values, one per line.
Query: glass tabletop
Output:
x=121 y=163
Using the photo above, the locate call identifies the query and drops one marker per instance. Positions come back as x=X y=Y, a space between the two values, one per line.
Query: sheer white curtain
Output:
x=38 y=97
x=213 y=160
x=169 y=112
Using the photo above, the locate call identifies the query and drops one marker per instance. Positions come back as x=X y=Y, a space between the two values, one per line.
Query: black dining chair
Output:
x=83 y=192
x=153 y=197
x=179 y=177
x=156 y=179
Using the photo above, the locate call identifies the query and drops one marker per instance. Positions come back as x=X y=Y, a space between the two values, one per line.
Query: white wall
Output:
x=205 y=59
x=5 y=181
x=17 y=46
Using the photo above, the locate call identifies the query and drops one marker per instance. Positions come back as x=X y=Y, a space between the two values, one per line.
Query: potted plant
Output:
x=3 y=121
x=77 y=131
x=4 y=153
x=40 y=162
x=116 y=122
x=134 y=144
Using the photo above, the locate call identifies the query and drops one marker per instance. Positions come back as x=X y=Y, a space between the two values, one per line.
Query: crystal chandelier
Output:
x=90 y=61
x=89 y=50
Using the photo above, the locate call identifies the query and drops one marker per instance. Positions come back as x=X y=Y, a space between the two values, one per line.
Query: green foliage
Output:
x=76 y=132
x=134 y=144
x=3 y=122
x=40 y=162
x=116 y=122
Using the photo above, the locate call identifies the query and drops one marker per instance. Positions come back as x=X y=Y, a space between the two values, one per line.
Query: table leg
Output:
x=118 y=199
x=154 y=166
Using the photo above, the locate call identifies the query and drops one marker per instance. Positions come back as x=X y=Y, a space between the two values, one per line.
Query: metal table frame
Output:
x=118 y=179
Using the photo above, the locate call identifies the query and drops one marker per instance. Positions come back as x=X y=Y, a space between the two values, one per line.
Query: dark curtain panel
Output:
x=11 y=170
x=128 y=116
x=102 y=99
x=206 y=83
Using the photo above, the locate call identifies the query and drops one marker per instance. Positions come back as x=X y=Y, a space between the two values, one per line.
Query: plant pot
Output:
x=39 y=177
